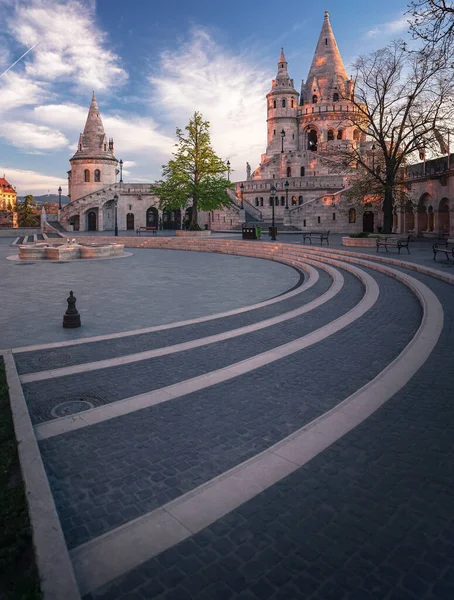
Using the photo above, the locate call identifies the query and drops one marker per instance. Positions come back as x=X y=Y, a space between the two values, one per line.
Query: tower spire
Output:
x=327 y=71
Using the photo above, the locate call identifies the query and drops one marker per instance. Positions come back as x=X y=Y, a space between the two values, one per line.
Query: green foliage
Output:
x=195 y=176
x=361 y=234
x=27 y=212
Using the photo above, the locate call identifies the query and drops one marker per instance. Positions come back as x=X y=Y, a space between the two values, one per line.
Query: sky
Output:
x=152 y=64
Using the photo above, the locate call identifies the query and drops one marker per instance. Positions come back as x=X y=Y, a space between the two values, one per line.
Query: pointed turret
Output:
x=94 y=163
x=282 y=77
x=327 y=74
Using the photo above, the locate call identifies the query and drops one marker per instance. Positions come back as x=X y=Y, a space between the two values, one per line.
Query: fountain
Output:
x=71 y=250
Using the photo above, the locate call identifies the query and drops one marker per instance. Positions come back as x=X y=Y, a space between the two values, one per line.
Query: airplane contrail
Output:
x=20 y=58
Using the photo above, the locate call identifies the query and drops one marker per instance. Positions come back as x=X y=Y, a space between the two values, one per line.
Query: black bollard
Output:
x=71 y=318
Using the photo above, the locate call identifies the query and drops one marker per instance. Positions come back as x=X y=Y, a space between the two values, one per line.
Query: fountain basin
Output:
x=73 y=251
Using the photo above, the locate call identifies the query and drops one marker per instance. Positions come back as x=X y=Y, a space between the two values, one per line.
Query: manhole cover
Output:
x=70 y=407
x=53 y=359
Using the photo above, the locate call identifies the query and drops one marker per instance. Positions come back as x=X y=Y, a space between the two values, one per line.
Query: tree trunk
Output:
x=194 y=218
x=388 y=210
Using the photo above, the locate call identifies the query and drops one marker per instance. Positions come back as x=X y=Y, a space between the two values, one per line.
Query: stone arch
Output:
x=312 y=138
x=293 y=200
x=330 y=135
x=335 y=97
x=340 y=134
x=409 y=218
x=423 y=218
x=302 y=171
x=430 y=218
x=97 y=176
x=443 y=215
x=92 y=219
x=152 y=217
x=289 y=171
x=86 y=176
x=282 y=200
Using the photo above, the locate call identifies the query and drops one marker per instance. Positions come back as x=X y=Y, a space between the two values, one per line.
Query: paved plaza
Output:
x=247 y=420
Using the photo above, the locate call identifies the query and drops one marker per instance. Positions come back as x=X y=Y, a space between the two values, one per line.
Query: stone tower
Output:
x=282 y=108
x=326 y=97
x=93 y=166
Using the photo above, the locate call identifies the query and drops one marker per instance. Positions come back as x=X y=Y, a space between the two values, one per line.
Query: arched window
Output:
x=292 y=102
x=300 y=200
x=356 y=135
x=256 y=201
x=312 y=140
x=293 y=200
x=86 y=175
x=276 y=201
x=352 y=215
x=261 y=201
x=97 y=175
x=271 y=201
x=105 y=147
x=330 y=135
x=314 y=99
x=274 y=104
x=340 y=134
x=289 y=171
x=335 y=97
x=302 y=171
x=283 y=103
x=282 y=201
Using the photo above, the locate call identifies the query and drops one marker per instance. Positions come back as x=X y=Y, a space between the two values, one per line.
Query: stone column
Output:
x=436 y=221
x=416 y=222
x=100 y=219
x=82 y=220
x=400 y=222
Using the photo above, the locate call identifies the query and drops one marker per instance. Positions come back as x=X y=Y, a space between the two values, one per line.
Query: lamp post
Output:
x=59 y=197
x=373 y=157
x=282 y=140
x=242 y=211
x=121 y=170
x=286 y=211
x=116 y=211
x=228 y=170
x=273 y=194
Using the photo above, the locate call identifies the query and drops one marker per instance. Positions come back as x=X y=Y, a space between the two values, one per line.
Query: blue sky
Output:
x=152 y=65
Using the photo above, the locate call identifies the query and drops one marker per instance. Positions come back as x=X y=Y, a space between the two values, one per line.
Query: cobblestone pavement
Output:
x=368 y=517
x=146 y=289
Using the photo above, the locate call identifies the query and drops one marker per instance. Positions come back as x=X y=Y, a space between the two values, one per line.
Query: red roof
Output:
x=6 y=186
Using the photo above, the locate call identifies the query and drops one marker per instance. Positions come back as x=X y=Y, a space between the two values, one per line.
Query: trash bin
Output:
x=258 y=231
x=249 y=233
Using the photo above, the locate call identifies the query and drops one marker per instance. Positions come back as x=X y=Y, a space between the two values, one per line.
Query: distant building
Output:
x=8 y=204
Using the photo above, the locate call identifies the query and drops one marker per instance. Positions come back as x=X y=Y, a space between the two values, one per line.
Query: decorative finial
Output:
x=93 y=97
x=326 y=14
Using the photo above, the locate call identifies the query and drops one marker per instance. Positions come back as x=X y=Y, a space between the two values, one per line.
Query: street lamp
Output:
x=59 y=197
x=373 y=157
x=286 y=194
x=121 y=170
x=242 y=192
x=228 y=170
x=282 y=140
x=273 y=194
x=116 y=210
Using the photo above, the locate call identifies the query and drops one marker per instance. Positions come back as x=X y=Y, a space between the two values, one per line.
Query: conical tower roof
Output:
x=93 y=135
x=93 y=141
x=283 y=82
x=327 y=70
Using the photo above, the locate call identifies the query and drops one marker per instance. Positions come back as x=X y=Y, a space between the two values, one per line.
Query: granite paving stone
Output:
x=394 y=471
x=251 y=412
x=151 y=287
x=115 y=383
x=39 y=360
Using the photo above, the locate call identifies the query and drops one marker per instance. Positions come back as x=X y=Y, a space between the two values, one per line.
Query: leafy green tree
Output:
x=27 y=212
x=196 y=175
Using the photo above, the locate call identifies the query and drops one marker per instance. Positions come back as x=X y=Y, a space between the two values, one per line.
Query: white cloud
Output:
x=227 y=89
x=396 y=26
x=132 y=134
x=18 y=90
x=71 y=47
x=31 y=182
x=32 y=136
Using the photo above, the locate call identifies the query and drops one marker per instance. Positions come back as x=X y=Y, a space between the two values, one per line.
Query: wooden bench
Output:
x=398 y=243
x=143 y=228
x=443 y=247
x=318 y=235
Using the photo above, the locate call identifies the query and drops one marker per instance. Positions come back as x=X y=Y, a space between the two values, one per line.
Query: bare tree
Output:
x=432 y=21
x=401 y=108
